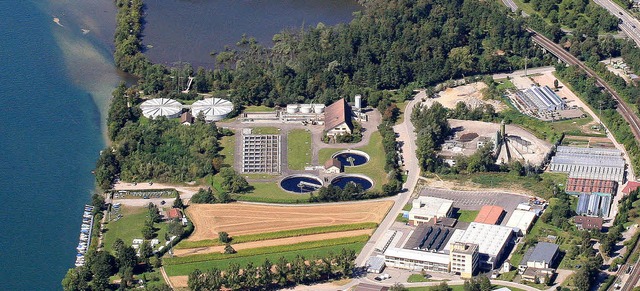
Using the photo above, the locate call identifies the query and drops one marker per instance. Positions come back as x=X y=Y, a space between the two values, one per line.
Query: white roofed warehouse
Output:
x=425 y=208
x=492 y=240
x=157 y=107
x=213 y=109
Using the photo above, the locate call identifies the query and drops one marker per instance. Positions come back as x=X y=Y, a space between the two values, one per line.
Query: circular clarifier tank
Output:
x=350 y=158
x=301 y=183
x=342 y=180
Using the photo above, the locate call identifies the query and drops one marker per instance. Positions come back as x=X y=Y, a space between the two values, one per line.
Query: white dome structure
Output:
x=213 y=109
x=166 y=107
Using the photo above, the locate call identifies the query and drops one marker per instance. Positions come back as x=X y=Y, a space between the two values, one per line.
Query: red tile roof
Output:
x=588 y=222
x=591 y=186
x=631 y=186
x=173 y=213
x=489 y=214
x=336 y=114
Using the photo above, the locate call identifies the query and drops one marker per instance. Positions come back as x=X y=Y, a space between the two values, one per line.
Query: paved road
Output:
x=520 y=73
x=629 y=24
x=407 y=135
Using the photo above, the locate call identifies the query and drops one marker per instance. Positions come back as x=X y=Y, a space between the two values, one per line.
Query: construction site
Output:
x=470 y=94
x=510 y=142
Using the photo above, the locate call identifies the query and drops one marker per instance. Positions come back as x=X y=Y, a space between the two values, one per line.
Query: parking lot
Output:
x=474 y=200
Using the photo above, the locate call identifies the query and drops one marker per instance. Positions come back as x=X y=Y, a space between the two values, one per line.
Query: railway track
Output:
x=626 y=112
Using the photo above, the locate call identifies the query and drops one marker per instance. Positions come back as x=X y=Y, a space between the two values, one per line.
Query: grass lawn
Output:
x=543 y=188
x=413 y=278
x=265 y=130
x=228 y=149
x=299 y=149
x=460 y=288
x=467 y=215
x=505 y=84
x=374 y=169
x=271 y=192
x=186 y=269
x=260 y=108
x=130 y=226
x=402 y=106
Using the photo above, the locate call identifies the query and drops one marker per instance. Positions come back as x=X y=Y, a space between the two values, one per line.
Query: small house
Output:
x=333 y=166
x=186 y=118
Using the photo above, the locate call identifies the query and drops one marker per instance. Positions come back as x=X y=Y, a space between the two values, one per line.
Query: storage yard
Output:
x=240 y=219
x=470 y=135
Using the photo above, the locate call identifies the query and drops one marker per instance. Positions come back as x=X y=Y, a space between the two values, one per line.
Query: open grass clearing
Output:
x=467 y=215
x=374 y=168
x=298 y=149
x=186 y=269
x=130 y=226
x=271 y=192
x=244 y=219
x=228 y=149
x=542 y=187
x=265 y=250
x=186 y=244
x=260 y=108
x=265 y=130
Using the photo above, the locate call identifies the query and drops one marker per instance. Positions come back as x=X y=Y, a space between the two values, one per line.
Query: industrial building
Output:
x=490 y=214
x=521 y=221
x=539 y=99
x=492 y=241
x=213 y=109
x=464 y=259
x=593 y=204
x=260 y=153
x=589 y=163
x=577 y=186
x=337 y=118
x=157 y=107
x=416 y=260
x=426 y=208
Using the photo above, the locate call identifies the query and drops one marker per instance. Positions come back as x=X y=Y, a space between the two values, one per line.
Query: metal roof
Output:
x=161 y=107
x=212 y=108
x=490 y=238
x=542 y=252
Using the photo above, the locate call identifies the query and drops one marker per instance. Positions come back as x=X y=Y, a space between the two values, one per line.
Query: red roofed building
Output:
x=490 y=214
x=173 y=213
x=337 y=118
x=332 y=166
x=631 y=186
x=577 y=186
x=588 y=222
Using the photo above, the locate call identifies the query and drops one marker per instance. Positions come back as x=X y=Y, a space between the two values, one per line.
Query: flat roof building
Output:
x=589 y=163
x=464 y=259
x=416 y=260
x=490 y=214
x=491 y=239
x=425 y=208
x=521 y=221
x=540 y=99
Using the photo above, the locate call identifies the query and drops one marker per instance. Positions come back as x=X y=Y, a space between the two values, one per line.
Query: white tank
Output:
x=292 y=108
x=305 y=108
x=358 y=101
x=318 y=108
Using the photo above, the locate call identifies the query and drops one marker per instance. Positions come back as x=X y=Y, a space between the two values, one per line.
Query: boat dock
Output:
x=85 y=235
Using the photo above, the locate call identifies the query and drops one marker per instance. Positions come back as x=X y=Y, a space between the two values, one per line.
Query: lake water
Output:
x=56 y=83
x=189 y=30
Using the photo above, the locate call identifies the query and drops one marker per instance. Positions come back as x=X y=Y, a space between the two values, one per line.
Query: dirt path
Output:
x=272 y=242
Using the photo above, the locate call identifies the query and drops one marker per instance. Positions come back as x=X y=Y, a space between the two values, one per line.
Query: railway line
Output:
x=624 y=110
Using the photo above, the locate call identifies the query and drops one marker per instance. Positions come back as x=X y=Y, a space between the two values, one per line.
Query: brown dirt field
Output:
x=272 y=242
x=240 y=218
x=179 y=281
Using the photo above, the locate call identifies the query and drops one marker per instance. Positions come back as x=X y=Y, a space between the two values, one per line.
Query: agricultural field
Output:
x=242 y=219
x=298 y=149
